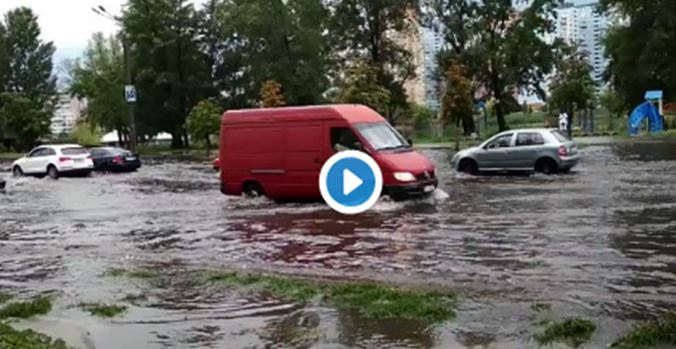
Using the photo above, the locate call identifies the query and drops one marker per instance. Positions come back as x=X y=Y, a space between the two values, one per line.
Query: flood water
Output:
x=599 y=243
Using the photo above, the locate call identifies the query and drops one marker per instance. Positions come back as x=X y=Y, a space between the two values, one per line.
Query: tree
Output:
x=503 y=49
x=640 y=57
x=271 y=94
x=457 y=103
x=614 y=104
x=361 y=86
x=86 y=134
x=99 y=77
x=170 y=72
x=203 y=121
x=27 y=85
x=284 y=41
x=572 y=86
x=376 y=31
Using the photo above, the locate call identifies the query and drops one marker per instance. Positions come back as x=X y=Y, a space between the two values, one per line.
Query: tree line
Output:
x=246 y=53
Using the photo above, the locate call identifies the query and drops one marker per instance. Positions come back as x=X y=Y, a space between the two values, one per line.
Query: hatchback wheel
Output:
x=52 y=172
x=546 y=166
x=17 y=172
x=468 y=166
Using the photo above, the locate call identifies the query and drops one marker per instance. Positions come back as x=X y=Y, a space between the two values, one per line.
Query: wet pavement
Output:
x=599 y=243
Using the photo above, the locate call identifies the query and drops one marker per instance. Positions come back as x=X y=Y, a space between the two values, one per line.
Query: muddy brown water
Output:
x=599 y=243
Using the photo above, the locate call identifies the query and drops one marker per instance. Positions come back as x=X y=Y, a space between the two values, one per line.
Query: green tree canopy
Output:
x=203 y=121
x=361 y=86
x=572 y=86
x=27 y=85
x=640 y=49
x=376 y=31
x=99 y=77
x=170 y=72
x=502 y=48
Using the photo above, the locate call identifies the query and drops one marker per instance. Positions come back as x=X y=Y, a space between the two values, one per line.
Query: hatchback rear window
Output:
x=74 y=151
x=560 y=136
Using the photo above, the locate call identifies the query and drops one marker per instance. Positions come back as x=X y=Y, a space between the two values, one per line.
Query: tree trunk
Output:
x=571 y=117
x=176 y=140
x=208 y=143
x=500 y=114
x=468 y=125
x=457 y=135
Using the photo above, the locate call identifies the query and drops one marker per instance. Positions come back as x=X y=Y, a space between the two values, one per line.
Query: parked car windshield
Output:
x=74 y=151
x=382 y=136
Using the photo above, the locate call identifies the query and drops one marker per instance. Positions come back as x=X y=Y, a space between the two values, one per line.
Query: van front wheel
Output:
x=253 y=190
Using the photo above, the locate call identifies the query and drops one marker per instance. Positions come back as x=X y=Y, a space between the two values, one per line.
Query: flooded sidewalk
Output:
x=599 y=244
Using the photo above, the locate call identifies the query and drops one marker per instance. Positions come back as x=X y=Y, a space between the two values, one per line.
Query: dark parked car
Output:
x=114 y=159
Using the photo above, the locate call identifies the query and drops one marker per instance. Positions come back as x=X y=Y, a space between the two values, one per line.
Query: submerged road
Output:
x=599 y=243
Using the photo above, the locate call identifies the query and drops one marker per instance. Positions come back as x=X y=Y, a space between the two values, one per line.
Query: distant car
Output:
x=540 y=150
x=115 y=159
x=54 y=161
x=217 y=164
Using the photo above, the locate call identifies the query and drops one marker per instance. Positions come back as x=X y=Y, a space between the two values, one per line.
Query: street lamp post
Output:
x=130 y=91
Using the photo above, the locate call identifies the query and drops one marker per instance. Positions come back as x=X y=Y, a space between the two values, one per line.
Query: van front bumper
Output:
x=412 y=190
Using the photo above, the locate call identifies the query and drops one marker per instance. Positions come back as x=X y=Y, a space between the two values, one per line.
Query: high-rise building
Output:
x=433 y=41
x=583 y=26
x=66 y=113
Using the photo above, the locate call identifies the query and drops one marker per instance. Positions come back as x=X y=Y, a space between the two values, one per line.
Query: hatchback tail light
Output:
x=64 y=159
x=563 y=152
x=118 y=160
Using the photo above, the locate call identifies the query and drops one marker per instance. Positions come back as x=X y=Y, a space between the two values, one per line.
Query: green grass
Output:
x=371 y=300
x=136 y=273
x=24 y=310
x=103 y=310
x=10 y=156
x=133 y=298
x=649 y=335
x=4 y=297
x=28 y=339
x=539 y=307
x=573 y=332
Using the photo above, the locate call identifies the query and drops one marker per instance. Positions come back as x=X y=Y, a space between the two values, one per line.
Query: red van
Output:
x=279 y=152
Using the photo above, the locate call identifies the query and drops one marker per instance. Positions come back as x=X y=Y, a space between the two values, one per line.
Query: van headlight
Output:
x=404 y=176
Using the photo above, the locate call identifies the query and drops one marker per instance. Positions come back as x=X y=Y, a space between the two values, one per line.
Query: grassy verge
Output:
x=369 y=299
x=103 y=310
x=573 y=332
x=24 y=310
x=135 y=274
x=650 y=335
x=10 y=156
x=28 y=339
x=4 y=297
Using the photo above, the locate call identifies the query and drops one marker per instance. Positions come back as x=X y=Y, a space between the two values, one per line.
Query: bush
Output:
x=86 y=134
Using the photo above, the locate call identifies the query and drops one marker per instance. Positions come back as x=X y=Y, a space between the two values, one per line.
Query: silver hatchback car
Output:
x=540 y=150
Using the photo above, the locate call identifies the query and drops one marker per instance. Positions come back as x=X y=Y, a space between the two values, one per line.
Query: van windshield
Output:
x=382 y=136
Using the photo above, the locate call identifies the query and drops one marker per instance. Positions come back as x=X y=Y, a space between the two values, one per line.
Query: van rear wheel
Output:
x=253 y=190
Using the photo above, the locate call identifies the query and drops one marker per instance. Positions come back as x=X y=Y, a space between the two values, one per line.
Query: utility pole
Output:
x=130 y=103
x=129 y=90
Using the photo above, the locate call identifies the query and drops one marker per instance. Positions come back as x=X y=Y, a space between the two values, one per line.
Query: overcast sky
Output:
x=70 y=23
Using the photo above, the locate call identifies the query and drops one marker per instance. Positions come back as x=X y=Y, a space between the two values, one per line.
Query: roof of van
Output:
x=352 y=113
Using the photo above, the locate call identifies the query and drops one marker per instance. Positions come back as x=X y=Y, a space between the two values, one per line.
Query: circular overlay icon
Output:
x=350 y=182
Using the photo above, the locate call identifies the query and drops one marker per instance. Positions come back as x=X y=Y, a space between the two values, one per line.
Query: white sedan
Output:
x=55 y=160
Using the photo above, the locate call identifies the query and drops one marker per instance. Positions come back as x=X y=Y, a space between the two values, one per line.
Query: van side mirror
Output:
x=410 y=141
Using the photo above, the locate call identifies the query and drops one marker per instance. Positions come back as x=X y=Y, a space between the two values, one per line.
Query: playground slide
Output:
x=645 y=111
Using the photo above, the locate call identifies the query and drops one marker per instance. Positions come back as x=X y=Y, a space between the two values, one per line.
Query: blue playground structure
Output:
x=647 y=111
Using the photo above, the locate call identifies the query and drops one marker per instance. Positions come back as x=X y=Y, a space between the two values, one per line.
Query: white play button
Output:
x=350 y=182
